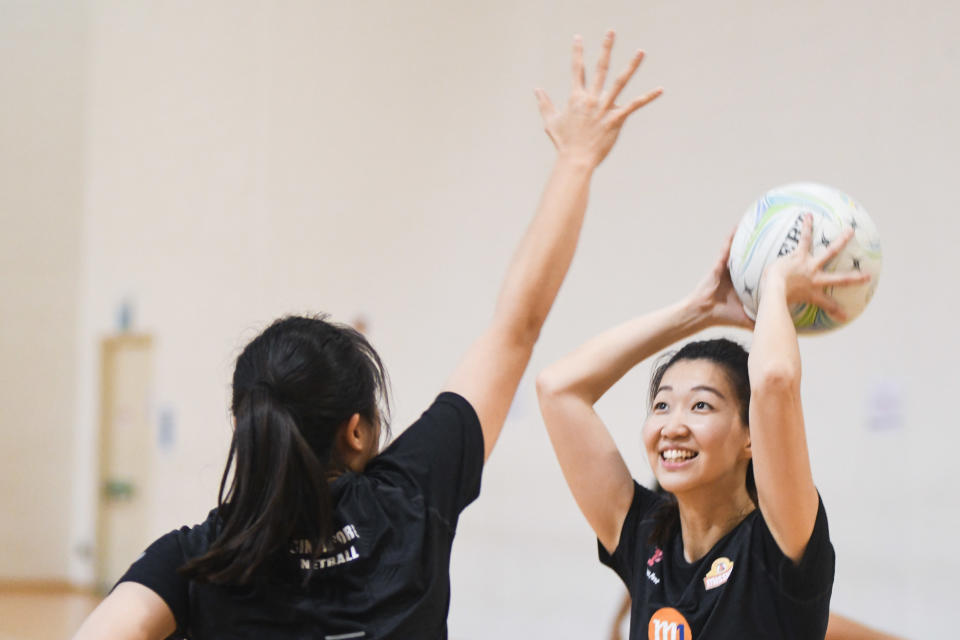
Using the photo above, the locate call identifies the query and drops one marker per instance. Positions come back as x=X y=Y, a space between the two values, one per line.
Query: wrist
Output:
x=576 y=161
x=772 y=283
x=694 y=315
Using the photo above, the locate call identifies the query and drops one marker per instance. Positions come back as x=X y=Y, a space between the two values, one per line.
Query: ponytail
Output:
x=278 y=488
x=293 y=386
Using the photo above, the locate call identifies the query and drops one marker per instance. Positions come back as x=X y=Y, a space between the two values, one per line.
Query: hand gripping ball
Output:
x=771 y=228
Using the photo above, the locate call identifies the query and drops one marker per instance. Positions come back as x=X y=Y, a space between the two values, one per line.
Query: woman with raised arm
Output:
x=316 y=534
x=742 y=551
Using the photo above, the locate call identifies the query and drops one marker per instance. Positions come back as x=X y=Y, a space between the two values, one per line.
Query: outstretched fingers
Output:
x=842 y=279
x=621 y=80
x=727 y=246
x=721 y=264
x=829 y=304
x=806 y=236
x=835 y=248
x=636 y=103
x=577 y=65
x=543 y=101
x=603 y=64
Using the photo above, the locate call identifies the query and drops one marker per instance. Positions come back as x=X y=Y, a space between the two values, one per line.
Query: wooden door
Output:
x=126 y=454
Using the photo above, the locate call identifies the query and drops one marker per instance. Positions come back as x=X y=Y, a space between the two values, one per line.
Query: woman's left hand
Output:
x=802 y=276
x=715 y=297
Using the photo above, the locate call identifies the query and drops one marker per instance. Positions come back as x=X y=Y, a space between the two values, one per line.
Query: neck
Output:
x=709 y=513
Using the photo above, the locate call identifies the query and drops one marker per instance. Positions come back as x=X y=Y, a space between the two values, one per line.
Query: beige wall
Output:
x=41 y=134
x=244 y=160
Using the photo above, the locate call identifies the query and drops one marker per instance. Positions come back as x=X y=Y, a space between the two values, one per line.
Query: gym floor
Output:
x=42 y=614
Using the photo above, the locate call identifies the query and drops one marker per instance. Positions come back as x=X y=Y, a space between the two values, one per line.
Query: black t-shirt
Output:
x=385 y=573
x=744 y=587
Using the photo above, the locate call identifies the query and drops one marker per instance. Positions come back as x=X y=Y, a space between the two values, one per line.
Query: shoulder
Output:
x=453 y=408
x=812 y=576
x=157 y=567
x=181 y=544
x=438 y=457
x=189 y=540
x=448 y=429
x=638 y=526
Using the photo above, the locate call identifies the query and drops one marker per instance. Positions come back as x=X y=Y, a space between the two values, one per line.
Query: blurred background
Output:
x=174 y=175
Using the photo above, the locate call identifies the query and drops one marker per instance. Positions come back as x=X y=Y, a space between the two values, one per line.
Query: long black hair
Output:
x=732 y=359
x=293 y=386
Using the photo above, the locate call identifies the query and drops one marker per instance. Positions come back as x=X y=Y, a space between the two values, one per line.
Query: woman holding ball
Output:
x=742 y=550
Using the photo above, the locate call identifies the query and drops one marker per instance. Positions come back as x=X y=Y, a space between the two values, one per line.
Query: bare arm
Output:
x=130 y=612
x=843 y=628
x=622 y=614
x=595 y=472
x=584 y=131
x=787 y=496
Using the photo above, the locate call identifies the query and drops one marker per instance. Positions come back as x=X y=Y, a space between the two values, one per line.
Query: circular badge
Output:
x=669 y=624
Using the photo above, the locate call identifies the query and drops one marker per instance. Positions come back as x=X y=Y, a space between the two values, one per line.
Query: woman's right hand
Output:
x=802 y=277
x=586 y=128
x=715 y=299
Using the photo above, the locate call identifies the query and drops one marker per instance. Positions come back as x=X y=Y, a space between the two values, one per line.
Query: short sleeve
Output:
x=812 y=578
x=624 y=559
x=156 y=569
x=442 y=453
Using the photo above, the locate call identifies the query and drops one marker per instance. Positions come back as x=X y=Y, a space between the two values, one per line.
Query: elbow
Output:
x=556 y=383
x=775 y=378
x=520 y=333
x=527 y=330
x=548 y=384
x=551 y=384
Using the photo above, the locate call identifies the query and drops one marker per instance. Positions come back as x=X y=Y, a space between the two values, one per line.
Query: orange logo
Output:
x=669 y=624
x=719 y=573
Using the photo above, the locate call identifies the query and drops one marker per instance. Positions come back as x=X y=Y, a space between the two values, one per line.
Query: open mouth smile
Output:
x=676 y=458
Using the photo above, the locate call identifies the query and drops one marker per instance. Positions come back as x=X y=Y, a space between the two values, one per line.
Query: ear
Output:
x=747 y=450
x=351 y=435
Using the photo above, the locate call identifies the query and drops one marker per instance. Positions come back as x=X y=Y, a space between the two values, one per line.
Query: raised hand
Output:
x=803 y=276
x=715 y=297
x=588 y=125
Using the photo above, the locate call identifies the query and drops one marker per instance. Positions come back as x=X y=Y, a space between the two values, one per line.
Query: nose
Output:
x=675 y=427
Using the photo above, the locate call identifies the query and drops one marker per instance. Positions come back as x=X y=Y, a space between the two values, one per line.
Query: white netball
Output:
x=771 y=228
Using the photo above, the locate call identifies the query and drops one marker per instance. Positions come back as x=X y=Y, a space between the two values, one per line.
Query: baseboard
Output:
x=40 y=586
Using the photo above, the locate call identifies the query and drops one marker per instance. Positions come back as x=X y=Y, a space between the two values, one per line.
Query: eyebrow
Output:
x=699 y=387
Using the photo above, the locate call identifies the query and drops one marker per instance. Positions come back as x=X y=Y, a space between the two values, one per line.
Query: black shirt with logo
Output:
x=383 y=575
x=744 y=587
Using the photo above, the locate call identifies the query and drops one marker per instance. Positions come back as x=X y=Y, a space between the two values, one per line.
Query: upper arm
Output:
x=488 y=376
x=592 y=465
x=843 y=628
x=131 y=612
x=787 y=495
x=442 y=453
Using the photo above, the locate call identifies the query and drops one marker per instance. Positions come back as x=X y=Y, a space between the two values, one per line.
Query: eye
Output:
x=702 y=406
x=660 y=406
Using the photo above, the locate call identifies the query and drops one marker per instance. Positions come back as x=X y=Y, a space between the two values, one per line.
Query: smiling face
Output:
x=694 y=435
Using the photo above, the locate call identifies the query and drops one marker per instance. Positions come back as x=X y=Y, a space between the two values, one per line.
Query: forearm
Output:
x=787 y=495
x=131 y=612
x=591 y=464
x=775 y=353
x=544 y=255
x=843 y=628
x=598 y=364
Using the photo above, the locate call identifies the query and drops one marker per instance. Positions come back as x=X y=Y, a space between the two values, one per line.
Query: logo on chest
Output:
x=652 y=560
x=719 y=573
x=668 y=624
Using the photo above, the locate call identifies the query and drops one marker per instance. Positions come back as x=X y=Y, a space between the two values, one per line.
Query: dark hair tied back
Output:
x=293 y=386
x=732 y=359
